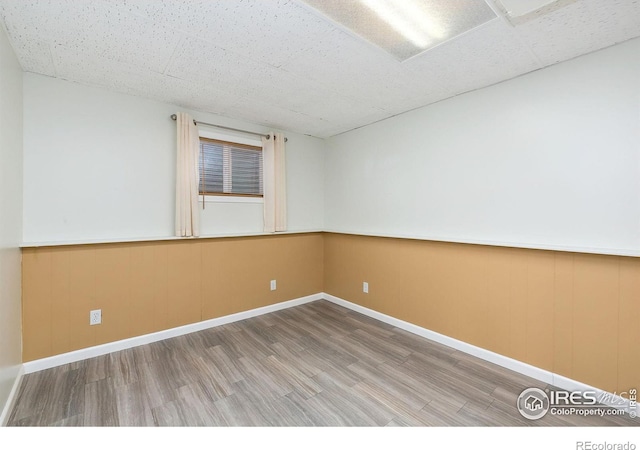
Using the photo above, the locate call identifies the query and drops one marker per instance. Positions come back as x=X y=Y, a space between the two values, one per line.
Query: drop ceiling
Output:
x=283 y=64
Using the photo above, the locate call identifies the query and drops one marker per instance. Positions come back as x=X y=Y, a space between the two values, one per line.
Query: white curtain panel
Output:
x=187 y=177
x=274 y=183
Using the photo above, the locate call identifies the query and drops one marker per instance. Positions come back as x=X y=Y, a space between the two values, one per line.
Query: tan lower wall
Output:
x=573 y=314
x=147 y=287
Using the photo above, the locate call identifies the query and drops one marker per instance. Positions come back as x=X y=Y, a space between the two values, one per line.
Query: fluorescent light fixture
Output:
x=406 y=17
x=405 y=28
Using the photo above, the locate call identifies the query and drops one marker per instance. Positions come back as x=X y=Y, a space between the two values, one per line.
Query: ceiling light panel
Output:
x=405 y=28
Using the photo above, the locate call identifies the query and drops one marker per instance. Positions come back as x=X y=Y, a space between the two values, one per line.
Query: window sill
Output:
x=229 y=199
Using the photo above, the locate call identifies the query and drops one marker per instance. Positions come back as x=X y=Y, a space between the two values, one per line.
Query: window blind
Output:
x=227 y=168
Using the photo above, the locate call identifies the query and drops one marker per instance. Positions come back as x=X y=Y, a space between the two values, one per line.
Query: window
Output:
x=228 y=168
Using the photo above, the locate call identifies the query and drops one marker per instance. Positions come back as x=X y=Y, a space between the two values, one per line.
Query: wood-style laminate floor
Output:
x=313 y=365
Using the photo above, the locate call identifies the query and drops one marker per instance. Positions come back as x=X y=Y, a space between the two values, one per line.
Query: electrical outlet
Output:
x=95 y=317
x=273 y=285
x=365 y=287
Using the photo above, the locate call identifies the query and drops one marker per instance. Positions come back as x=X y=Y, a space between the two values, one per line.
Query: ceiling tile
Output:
x=86 y=68
x=558 y=34
x=484 y=56
x=270 y=31
x=94 y=26
x=273 y=115
x=200 y=61
x=350 y=67
x=281 y=64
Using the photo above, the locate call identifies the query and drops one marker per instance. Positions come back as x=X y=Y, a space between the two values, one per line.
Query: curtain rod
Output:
x=195 y=122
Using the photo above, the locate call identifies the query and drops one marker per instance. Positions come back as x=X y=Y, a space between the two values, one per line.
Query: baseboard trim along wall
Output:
x=614 y=400
x=8 y=406
x=98 y=350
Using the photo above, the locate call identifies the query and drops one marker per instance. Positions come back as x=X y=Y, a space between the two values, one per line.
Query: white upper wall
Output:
x=549 y=159
x=10 y=218
x=101 y=165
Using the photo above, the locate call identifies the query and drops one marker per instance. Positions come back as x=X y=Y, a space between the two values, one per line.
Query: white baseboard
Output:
x=98 y=350
x=8 y=406
x=546 y=376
